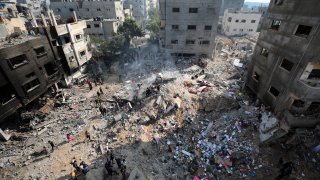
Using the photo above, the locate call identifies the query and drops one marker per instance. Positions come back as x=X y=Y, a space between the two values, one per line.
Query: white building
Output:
x=104 y=28
x=189 y=27
x=239 y=23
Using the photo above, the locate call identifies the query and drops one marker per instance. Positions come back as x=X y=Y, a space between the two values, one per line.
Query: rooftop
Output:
x=15 y=40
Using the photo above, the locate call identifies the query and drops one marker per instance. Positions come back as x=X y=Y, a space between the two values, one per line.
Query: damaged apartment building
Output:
x=285 y=68
x=189 y=28
x=30 y=64
x=102 y=17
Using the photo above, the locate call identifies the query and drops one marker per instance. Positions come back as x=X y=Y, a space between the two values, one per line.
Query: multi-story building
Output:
x=139 y=10
x=239 y=23
x=285 y=68
x=28 y=67
x=152 y=4
x=263 y=10
x=102 y=17
x=10 y=20
x=72 y=45
x=230 y=4
x=33 y=6
x=189 y=27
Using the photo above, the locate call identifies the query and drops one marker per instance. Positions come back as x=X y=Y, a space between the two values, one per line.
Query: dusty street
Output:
x=168 y=118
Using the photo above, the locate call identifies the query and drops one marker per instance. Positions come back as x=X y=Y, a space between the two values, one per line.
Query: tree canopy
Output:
x=153 y=24
x=129 y=28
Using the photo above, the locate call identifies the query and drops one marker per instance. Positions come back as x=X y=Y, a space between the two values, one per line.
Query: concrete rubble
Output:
x=186 y=122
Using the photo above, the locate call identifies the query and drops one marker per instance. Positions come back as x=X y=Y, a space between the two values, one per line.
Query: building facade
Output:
x=188 y=27
x=239 y=23
x=102 y=17
x=285 y=68
x=231 y=4
x=28 y=67
x=139 y=10
x=10 y=21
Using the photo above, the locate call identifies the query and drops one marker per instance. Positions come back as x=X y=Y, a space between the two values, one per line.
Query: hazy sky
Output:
x=263 y=1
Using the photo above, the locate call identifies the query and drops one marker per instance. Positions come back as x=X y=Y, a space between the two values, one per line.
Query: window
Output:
x=71 y=58
x=88 y=26
x=274 y=91
x=264 y=52
x=175 y=27
x=50 y=68
x=71 y=9
x=30 y=75
x=243 y=20
x=303 y=31
x=32 y=85
x=18 y=61
x=250 y=30
x=192 y=27
x=229 y=19
x=286 y=64
x=207 y=27
x=193 y=10
x=298 y=103
x=188 y=42
x=275 y=24
x=256 y=76
x=234 y=29
x=58 y=10
x=278 y=2
x=175 y=9
x=253 y=21
x=237 y=20
x=205 y=42
x=96 y=25
x=40 y=51
x=314 y=74
x=78 y=37
x=98 y=9
x=174 y=41
x=82 y=53
x=87 y=9
x=241 y=30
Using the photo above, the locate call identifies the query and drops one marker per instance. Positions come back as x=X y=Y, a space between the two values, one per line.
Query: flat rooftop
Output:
x=17 y=40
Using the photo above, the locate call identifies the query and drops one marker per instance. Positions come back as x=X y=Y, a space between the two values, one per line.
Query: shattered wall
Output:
x=27 y=70
x=284 y=72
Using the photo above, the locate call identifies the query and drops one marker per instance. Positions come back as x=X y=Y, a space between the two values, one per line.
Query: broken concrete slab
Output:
x=137 y=174
x=4 y=135
x=42 y=131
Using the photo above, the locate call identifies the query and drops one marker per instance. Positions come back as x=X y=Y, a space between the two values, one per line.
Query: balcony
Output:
x=308 y=90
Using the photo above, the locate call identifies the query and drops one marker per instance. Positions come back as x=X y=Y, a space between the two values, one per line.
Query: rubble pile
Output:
x=169 y=119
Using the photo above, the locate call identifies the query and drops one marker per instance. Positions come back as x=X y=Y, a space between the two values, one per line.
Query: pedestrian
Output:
x=69 y=138
x=104 y=111
x=52 y=145
x=101 y=110
x=75 y=165
x=44 y=150
x=84 y=167
x=100 y=89
x=73 y=175
x=111 y=157
x=88 y=135
x=139 y=85
x=119 y=163
x=123 y=173
x=98 y=94
x=90 y=85
x=108 y=167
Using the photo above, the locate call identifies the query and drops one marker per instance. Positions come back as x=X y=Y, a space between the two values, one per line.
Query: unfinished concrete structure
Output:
x=285 y=68
x=189 y=27
x=28 y=67
x=231 y=4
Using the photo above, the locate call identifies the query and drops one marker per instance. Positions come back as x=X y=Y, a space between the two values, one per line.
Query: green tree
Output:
x=153 y=24
x=129 y=29
x=108 y=48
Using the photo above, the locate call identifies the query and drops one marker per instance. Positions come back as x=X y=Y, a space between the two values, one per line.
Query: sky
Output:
x=261 y=1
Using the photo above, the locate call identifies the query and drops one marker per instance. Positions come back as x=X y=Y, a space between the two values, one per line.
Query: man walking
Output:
x=52 y=145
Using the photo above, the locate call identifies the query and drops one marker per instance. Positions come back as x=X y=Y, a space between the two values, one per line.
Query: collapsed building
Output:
x=31 y=64
x=189 y=28
x=285 y=68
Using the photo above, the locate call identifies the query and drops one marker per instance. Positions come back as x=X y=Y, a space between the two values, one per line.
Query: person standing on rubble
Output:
x=52 y=145
x=69 y=138
x=88 y=135
x=100 y=89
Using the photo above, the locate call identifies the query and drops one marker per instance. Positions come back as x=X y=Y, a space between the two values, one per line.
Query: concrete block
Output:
x=4 y=136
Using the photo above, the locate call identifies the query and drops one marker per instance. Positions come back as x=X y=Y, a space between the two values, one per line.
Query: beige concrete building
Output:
x=189 y=27
x=239 y=23
x=10 y=20
x=102 y=28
